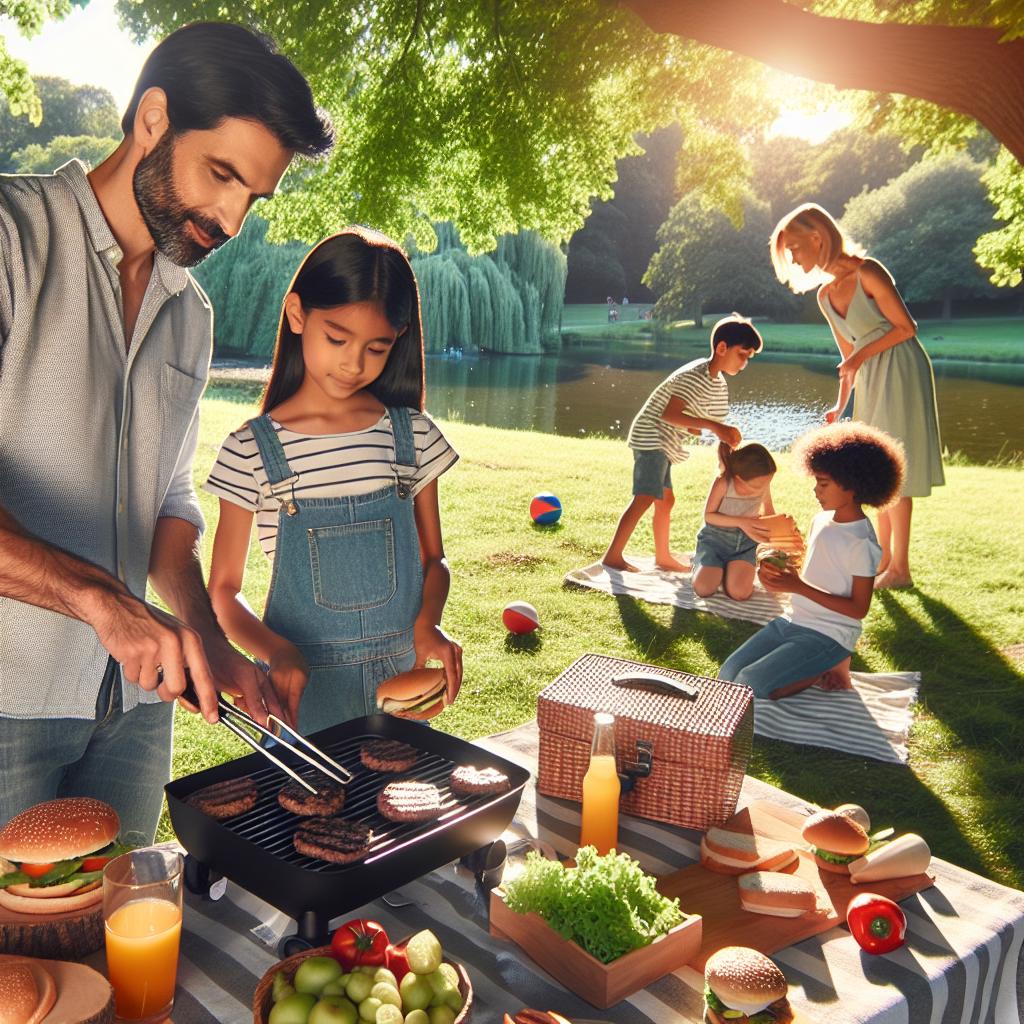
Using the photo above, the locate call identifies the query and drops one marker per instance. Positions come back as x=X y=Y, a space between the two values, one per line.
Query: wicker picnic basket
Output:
x=697 y=746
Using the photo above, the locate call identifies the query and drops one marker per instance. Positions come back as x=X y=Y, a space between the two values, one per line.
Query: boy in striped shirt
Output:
x=694 y=398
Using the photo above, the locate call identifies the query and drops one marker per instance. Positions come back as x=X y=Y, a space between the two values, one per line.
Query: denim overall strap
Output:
x=405 y=449
x=280 y=475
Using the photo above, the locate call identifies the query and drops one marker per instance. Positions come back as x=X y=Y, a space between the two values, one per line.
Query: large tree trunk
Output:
x=964 y=69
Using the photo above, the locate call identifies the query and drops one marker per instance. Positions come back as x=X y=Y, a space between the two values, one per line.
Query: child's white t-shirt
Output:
x=329 y=466
x=836 y=552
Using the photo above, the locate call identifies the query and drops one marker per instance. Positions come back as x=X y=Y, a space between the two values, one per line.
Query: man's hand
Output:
x=730 y=435
x=289 y=674
x=432 y=642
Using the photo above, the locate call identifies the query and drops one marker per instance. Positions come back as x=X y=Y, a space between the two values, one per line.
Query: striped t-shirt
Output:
x=704 y=396
x=328 y=466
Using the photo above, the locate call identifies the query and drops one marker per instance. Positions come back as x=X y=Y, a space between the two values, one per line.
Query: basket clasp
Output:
x=639 y=768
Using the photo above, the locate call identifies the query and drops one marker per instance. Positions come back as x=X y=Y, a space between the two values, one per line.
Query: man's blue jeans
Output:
x=122 y=758
x=780 y=654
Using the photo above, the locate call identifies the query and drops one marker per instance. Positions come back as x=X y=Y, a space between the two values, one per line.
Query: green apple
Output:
x=386 y=993
x=282 y=987
x=383 y=974
x=336 y=987
x=333 y=1010
x=454 y=999
x=417 y=1017
x=293 y=1009
x=416 y=992
x=389 y=1014
x=358 y=987
x=442 y=1015
x=423 y=951
x=315 y=972
x=443 y=979
x=368 y=1009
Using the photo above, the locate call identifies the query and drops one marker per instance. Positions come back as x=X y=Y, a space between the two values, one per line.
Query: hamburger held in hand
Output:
x=419 y=693
x=52 y=855
x=742 y=986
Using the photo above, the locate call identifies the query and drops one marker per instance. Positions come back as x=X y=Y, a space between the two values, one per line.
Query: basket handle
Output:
x=659 y=683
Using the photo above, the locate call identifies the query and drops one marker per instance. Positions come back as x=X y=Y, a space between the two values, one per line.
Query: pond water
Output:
x=596 y=390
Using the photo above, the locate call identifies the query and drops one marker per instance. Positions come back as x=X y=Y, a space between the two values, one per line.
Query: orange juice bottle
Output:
x=601 y=789
x=142 y=956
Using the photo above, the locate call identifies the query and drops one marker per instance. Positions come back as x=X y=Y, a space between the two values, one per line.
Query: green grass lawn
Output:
x=987 y=340
x=964 y=790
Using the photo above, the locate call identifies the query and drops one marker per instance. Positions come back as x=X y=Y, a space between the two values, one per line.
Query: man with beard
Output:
x=105 y=345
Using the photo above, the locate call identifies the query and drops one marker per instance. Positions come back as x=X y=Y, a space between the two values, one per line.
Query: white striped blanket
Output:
x=872 y=720
x=962 y=963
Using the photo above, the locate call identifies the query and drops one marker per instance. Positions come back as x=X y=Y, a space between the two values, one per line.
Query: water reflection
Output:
x=597 y=391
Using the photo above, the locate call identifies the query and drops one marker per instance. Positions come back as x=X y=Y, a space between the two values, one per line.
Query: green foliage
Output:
x=65 y=108
x=706 y=262
x=922 y=226
x=41 y=159
x=606 y=904
x=1002 y=250
x=492 y=116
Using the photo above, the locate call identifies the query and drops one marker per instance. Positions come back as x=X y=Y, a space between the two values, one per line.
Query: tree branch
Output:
x=964 y=69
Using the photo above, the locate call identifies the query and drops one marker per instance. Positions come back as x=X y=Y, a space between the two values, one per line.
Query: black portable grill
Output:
x=255 y=849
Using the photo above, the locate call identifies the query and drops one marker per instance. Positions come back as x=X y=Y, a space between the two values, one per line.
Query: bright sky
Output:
x=89 y=48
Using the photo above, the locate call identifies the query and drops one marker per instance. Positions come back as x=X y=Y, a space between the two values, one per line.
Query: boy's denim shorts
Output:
x=652 y=473
x=717 y=546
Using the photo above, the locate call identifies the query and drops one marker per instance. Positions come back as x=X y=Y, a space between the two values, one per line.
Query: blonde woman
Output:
x=877 y=338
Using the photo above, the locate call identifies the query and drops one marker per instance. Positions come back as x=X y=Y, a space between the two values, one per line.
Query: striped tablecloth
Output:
x=962 y=963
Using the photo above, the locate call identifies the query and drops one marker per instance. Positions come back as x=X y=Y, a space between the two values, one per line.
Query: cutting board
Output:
x=716 y=896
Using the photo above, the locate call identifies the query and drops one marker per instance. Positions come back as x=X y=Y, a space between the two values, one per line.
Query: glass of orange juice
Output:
x=142 y=919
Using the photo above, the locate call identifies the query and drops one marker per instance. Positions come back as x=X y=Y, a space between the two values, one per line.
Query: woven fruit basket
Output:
x=262 y=1003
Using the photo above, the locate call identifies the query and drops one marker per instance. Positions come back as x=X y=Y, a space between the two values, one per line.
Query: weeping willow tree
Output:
x=509 y=300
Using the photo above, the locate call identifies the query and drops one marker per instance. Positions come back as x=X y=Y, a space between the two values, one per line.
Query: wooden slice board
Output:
x=716 y=896
x=72 y=935
x=84 y=996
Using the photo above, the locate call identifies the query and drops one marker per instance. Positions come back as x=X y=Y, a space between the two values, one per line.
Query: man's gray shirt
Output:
x=96 y=437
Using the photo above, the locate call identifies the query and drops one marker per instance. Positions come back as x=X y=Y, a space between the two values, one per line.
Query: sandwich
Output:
x=837 y=840
x=53 y=855
x=776 y=893
x=418 y=693
x=742 y=986
x=907 y=855
x=774 y=556
x=736 y=853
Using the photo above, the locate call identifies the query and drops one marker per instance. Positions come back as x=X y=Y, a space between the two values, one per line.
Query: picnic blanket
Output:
x=871 y=720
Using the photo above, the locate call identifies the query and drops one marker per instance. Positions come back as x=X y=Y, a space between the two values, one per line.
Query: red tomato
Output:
x=359 y=942
x=397 y=960
x=94 y=863
x=36 y=870
x=876 y=923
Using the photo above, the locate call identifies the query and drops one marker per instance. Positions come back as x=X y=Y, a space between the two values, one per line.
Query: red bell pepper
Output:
x=397 y=960
x=877 y=923
x=359 y=942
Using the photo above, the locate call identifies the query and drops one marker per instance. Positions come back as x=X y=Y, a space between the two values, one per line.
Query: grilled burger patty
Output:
x=328 y=799
x=334 y=839
x=388 y=755
x=226 y=799
x=468 y=781
x=409 y=801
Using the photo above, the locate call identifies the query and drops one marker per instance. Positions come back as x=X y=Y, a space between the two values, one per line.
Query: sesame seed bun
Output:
x=836 y=833
x=744 y=979
x=405 y=694
x=59 y=830
x=27 y=991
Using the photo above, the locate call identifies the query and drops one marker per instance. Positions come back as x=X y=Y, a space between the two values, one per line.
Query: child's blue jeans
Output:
x=780 y=654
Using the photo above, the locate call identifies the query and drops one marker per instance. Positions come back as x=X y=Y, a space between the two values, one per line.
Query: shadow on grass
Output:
x=893 y=794
x=524 y=643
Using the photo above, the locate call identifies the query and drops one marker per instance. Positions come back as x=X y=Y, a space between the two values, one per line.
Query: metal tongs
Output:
x=234 y=718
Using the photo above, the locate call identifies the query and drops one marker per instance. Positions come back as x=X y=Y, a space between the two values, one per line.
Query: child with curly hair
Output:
x=852 y=465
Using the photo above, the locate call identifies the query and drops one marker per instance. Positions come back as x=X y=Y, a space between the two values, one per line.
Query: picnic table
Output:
x=962 y=961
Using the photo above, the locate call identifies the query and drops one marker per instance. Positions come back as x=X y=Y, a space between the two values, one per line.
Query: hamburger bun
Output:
x=743 y=979
x=776 y=894
x=858 y=814
x=27 y=991
x=91 y=897
x=836 y=834
x=419 y=693
x=59 y=830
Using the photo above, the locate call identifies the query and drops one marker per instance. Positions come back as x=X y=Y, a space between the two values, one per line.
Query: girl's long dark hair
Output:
x=356 y=265
x=748 y=462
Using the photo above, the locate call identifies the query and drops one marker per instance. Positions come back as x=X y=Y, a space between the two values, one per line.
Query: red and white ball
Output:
x=520 y=617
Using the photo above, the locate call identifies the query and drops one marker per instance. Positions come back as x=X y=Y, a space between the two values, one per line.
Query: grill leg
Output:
x=313 y=928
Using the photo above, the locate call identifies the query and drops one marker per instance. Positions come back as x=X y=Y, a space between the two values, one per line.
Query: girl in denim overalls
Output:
x=340 y=471
x=727 y=542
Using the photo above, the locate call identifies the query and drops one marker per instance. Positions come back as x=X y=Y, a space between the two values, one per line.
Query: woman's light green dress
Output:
x=895 y=391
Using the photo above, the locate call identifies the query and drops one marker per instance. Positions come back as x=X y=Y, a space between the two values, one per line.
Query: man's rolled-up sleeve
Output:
x=181 y=501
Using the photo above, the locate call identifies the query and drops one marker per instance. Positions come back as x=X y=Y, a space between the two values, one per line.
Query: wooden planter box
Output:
x=599 y=984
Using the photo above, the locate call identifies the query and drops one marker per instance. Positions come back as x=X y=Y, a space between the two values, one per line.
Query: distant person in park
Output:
x=693 y=399
x=726 y=544
x=882 y=356
x=340 y=473
x=853 y=465
x=105 y=345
